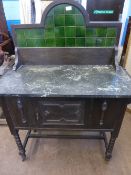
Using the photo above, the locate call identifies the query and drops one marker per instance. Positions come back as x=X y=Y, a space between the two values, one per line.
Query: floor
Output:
x=66 y=157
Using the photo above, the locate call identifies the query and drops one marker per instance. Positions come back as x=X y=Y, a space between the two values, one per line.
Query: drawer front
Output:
x=58 y=113
x=106 y=113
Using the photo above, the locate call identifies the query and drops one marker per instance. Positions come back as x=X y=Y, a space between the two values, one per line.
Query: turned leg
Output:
x=109 y=149
x=20 y=146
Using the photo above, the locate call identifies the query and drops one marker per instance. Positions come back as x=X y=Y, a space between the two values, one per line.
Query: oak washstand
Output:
x=67 y=82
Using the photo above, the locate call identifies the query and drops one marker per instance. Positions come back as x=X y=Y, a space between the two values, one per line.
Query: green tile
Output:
x=59 y=9
x=35 y=42
x=90 y=42
x=50 y=42
x=20 y=37
x=51 y=13
x=69 y=9
x=110 y=42
x=59 y=32
x=100 y=42
x=101 y=32
x=21 y=42
x=31 y=42
x=80 y=20
x=20 y=32
x=111 y=32
x=49 y=33
x=77 y=11
x=28 y=33
x=80 y=31
x=80 y=42
x=60 y=42
x=70 y=42
x=69 y=20
x=36 y=33
x=90 y=32
x=49 y=21
x=70 y=31
x=39 y=43
x=59 y=20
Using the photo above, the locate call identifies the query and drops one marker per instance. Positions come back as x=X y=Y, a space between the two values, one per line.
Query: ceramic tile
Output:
x=69 y=20
x=60 y=42
x=50 y=42
x=90 y=32
x=70 y=42
x=80 y=20
x=59 y=20
x=80 y=31
x=111 y=32
x=70 y=31
x=80 y=42
x=110 y=42
x=101 y=32
x=90 y=42
x=59 y=32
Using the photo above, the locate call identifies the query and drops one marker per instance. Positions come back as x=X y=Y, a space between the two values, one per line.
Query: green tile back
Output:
x=80 y=42
x=90 y=32
x=111 y=32
x=80 y=31
x=50 y=42
x=31 y=43
x=49 y=33
x=77 y=11
x=60 y=9
x=51 y=12
x=49 y=21
x=70 y=42
x=21 y=42
x=90 y=42
x=40 y=43
x=60 y=42
x=69 y=20
x=100 y=42
x=59 y=31
x=110 y=42
x=80 y=20
x=65 y=26
x=101 y=32
x=59 y=20
x=69 y=9
x=70 y=31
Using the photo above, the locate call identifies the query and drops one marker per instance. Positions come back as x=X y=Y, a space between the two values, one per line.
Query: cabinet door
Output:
x=58 y=113
x=105 y=113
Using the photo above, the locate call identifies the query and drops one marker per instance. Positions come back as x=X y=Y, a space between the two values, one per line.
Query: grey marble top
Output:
x=66 y=80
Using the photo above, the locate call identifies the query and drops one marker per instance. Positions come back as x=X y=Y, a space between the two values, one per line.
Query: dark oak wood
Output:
x=66 y=56
x=68 y=115
x=71 y=114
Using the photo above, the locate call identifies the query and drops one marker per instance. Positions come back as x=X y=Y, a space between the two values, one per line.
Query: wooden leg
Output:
x=20 y=146
x=109 y=149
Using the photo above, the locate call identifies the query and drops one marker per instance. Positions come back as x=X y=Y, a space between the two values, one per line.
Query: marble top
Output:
x=66 y=80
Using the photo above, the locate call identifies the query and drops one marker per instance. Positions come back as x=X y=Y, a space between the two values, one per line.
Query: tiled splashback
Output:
x=65 y=27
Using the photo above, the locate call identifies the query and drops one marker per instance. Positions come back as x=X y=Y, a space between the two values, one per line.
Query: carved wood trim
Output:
x=104 y=108
x=20 y=107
